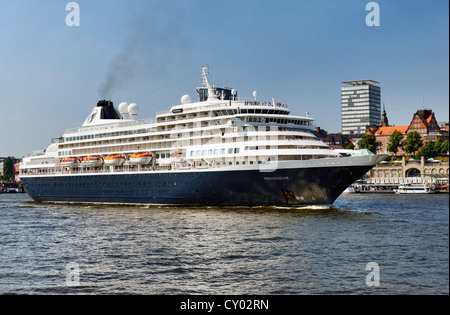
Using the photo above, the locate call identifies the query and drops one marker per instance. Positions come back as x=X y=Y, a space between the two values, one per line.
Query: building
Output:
x=334 y=140
x=444 y=125
x=384 y=118
x=411 y=171
x=360 y=106
x=2 y=164
x=423 y=121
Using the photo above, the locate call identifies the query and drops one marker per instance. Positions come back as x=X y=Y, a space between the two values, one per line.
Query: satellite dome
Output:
x=123 y=108
x=133 y=109
x=186 y=99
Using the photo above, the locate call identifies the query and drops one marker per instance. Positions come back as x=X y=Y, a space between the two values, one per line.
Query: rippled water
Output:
x=164 y=250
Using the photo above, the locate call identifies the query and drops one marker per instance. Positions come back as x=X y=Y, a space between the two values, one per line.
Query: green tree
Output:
x=412 y=143
x=444 y=148
x=8 y=168
x=437 y=146
x=427 y=151
x=395 y=141
x=369 y=142
x=351 y=146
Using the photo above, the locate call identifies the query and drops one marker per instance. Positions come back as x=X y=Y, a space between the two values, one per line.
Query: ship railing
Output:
x=226 y=103
x=121 y=124
x=400 y=181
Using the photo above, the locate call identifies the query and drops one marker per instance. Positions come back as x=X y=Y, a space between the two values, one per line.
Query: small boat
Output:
x=114 y=160
x=415 y=189
x=141 y=158
x=349 y=190
x=92 y=161
x=70 y=162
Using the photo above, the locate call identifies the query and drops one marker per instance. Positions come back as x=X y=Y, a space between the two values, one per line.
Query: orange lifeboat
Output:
x=92 y=161
x=70 y=162
x=141 y=158
x=114 y=160
x=176 y=154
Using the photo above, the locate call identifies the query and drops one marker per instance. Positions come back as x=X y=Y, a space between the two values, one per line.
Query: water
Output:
x=163 y=250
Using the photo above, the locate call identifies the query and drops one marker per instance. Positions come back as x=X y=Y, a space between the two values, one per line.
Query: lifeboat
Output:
x=92 y=161
x=176 y=154
x=70 y=162
x=141 y=158
x=114 y=160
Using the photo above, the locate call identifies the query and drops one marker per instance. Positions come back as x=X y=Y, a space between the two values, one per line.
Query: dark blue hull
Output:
x=283 y=187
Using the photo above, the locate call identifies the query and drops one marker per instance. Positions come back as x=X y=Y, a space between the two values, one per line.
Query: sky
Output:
x=151 y=51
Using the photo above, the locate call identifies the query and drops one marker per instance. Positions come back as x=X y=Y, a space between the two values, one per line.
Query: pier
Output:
x=384 y=178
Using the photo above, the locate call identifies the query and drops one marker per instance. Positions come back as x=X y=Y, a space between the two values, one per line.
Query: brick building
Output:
x=423 y=121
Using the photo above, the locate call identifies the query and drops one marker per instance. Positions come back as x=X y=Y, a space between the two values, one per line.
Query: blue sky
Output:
x=297 y=51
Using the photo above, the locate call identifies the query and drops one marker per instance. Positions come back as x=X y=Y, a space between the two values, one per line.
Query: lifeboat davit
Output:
x=70 y=162
x=92 y=161
x=114 y=160
x=141 y=158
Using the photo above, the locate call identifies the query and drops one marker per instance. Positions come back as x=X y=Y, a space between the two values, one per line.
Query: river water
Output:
x=364 y=244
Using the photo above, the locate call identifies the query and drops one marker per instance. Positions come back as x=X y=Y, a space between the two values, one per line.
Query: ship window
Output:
x=203 y=152
x=236 y=150
x=230 y=151
x=198 y=153
x=216 y=151
x=222 y=151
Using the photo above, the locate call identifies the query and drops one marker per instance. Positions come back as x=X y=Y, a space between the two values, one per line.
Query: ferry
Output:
x=415 y=189
x=221 y=150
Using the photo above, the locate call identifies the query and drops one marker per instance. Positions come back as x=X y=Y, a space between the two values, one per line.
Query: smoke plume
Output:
x=154 y=43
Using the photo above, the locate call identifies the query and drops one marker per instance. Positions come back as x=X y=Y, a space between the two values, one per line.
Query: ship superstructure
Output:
x=220 y=150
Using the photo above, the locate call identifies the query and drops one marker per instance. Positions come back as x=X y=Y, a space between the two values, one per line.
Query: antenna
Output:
x=211 y=94
x=205 y=73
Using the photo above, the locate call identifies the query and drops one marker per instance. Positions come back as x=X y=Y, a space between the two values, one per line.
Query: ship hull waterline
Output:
x=202 y=187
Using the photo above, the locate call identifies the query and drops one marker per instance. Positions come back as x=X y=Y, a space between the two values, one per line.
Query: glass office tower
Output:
x=360 y=106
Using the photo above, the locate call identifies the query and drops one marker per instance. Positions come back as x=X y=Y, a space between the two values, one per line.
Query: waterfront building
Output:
x=360 y=106
x=410 y=171
x=423 y=121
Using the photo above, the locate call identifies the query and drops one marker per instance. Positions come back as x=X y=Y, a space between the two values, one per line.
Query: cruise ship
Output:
x=221 y=150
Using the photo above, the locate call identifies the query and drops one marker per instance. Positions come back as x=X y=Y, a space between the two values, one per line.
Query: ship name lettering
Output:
x=277 y=178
